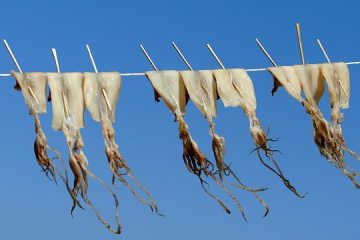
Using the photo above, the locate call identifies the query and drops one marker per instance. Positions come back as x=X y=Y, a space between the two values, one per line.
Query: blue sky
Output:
x=33 y=208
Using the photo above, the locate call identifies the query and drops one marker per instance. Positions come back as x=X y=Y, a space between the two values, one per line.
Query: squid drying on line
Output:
x=310 y=79
x=201 y=87
x=33 y=88
x=101 y=92
x=236 y=89
x=338 y=81
x=202 y=91
x=68 y=109
x=170 y=87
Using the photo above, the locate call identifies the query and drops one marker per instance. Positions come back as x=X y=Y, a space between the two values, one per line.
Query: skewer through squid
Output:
x=68 y=108
x=310 y=78
x=101 y=91
x=170 y=86
x=236 y=89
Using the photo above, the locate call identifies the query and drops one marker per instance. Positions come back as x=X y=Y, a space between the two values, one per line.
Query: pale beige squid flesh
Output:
x=170 y=87
x=101 y=92
x=68 y=109
x=33 y=89
x=310 y=79
x=236 y=89
x=201 y=87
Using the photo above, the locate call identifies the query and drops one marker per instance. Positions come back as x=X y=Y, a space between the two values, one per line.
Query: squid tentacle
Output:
x=118 y=163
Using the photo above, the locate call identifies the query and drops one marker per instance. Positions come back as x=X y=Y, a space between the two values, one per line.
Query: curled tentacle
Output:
x=198 y=164
x=64 y=176
x=228 y=192
x=331 y=143
x=249 y=189
x=79 y=166
x=351 y=175
x=218 y=147
x=220 y=202
x=141 y=186
x=119 y=167
x=261 y=141
x=194 y=159
x=40 y=151
x=43 y=160
x=279 y=173
x=80 y=182
x=116 y=201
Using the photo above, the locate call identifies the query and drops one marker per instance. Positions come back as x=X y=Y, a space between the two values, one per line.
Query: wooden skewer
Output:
x=106 y=99
x=265 y=52
x=328 y=59
x=12 y=55
x=300 y=43
x=190 y=68
x=91 y=58
x=323 y=50
x=53 y=50
x=223 y=67
x=66 y=109
x=32 y=94
x=182 y=56
x=19 y=68
x=215 y=56
x=96 y=70
x=148 y=58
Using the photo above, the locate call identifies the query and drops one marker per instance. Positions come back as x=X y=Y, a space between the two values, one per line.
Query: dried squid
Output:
x=68 y=109
x=101 y=92
x=236 y=89
x=202 y=91
x=170 y=87
x=33 y=88
x=310 y=79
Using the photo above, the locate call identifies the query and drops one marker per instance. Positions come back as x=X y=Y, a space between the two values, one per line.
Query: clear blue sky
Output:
x=31 y=207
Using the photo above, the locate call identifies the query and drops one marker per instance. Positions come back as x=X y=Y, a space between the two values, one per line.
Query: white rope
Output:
x=143 y=74
x=132 y=74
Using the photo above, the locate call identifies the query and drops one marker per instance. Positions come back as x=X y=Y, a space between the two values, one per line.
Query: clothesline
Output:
x=143 y=74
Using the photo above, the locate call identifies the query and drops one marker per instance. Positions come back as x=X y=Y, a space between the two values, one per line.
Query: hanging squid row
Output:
x=73 y=93
x=235 y=89
x=310 y=79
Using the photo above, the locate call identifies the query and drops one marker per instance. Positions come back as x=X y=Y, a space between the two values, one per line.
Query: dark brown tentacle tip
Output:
x=272 y=140
x=292 y=188
x=301 y=196
x=267 y=210
x=266 y=213
x=160 y=214
x=113 y=180
x=72 y=209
